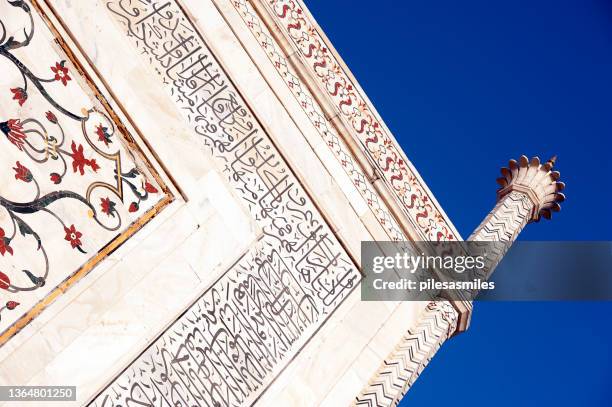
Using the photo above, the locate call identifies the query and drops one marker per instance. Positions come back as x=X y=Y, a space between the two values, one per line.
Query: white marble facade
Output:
x=233 y=276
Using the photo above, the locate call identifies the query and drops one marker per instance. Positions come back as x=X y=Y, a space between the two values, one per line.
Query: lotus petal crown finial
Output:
x=538 y=181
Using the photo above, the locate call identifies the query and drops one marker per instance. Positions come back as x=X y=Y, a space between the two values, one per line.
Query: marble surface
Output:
x=245 y=328
x=265 y=228
x=73 y=183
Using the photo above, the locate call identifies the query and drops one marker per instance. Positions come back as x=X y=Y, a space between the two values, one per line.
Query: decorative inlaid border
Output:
x=106 y=136
x=317 y=117
x=379 y=145
x=411 y=355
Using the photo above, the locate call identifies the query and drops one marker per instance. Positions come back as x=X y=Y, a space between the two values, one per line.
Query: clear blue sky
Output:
x=464 y=86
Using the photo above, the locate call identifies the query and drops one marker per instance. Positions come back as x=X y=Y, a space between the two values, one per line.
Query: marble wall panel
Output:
x=231 y=313
x=242 y=331
x=74 y=185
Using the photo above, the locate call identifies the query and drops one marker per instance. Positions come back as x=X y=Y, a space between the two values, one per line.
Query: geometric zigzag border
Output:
x=411 y=355
x=416 y=348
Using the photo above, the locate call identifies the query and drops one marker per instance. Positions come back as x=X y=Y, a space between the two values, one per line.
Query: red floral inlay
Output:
x=61 y=72
x=133 y=207
x=51 y=117
x=55 y=178
x=79 y=161
x=22 y=173
x=150 y=188
x=20 y=95
x=11 y=305
x=103 y=134
x=73 y=236
x=14 y=132
x=108 y=206
x=5 y=282
x=4 y=244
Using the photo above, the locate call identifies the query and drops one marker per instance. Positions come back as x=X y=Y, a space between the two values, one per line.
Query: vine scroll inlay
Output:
x=74 y=184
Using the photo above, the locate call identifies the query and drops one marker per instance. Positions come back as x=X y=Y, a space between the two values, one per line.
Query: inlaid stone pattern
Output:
x=317 y=117
x=364 y=123
x=73 y=183
x=404 y=364
x=226 y=348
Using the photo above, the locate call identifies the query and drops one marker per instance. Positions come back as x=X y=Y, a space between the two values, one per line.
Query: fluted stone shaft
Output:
x=529 y=190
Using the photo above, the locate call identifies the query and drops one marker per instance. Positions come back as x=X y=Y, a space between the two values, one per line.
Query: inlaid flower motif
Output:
x=20 y=95
x=14 y=132
x=376 y=153
x=55 y=178
x=133 y=207
x=103 y=134
x=5 y=281
x=51 y=117
x=11 y=305
x=150 y=188
x=93 y=164
x=79 y=161
x=108 y=206
x=73 y=236
x=61 y=72
x=5 y=244
x=22 y=173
